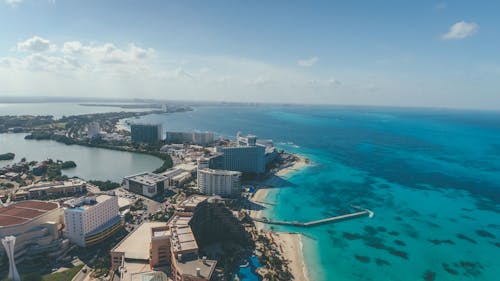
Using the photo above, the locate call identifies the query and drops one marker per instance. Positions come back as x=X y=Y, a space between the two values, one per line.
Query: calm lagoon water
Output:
x=92 y=163
x=432 y=177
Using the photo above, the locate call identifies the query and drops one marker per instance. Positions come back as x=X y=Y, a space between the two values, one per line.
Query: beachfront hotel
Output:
x=36 y=226
x=247 y=156
x=219 y=182
x=90 y=220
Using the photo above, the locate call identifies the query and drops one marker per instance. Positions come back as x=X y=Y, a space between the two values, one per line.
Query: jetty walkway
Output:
x=362 y=213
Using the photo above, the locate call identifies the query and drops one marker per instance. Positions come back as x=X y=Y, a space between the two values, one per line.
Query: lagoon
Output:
x=92 y=163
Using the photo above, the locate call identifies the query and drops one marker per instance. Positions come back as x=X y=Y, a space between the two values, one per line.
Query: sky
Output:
x=396 y=53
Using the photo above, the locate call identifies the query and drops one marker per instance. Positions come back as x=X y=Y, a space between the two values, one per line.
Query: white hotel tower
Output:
x=9 y=242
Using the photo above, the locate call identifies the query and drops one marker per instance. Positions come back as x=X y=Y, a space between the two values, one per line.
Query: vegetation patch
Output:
x=7 y=156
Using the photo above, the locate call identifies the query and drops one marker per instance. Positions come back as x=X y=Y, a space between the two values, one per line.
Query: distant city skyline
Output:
x=423 y=54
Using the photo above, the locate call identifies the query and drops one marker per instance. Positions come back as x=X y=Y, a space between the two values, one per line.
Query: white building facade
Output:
x=219 y=182
x=90 y=220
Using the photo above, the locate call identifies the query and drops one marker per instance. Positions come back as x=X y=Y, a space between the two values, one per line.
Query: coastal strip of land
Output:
x=289 y=244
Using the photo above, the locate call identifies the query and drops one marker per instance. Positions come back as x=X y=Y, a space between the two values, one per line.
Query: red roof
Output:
x=24 y=211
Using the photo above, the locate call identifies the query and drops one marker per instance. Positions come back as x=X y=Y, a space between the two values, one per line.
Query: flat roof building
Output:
x=55 y=188
x=171 y=244
x=146 y=133
x=147 y=184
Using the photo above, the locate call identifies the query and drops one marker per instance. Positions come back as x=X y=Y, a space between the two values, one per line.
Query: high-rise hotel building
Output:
x=146 y=133
x=219 y=182
x=246 y=157
x=90 y=220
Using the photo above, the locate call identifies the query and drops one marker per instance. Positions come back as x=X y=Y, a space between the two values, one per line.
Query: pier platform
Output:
x=363 y=213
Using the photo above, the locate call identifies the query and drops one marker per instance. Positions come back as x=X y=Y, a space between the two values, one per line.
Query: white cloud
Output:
x=13 y=3
x=72 y=47
x=110 y=54
x=107 y=69
x=36 y=44
x=461 y=30
x=307 y=62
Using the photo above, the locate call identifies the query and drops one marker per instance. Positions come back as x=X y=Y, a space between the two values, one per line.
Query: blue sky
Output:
x=408 y=53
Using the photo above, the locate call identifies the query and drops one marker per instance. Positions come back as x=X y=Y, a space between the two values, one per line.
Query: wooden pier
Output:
x=363 y=213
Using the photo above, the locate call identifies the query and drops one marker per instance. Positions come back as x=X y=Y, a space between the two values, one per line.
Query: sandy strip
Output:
x=290 y=245
x=259 y=195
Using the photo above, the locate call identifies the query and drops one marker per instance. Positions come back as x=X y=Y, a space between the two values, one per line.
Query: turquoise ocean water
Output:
x=432 y=177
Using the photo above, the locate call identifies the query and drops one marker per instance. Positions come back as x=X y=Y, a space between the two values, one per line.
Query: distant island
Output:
x=7 y=156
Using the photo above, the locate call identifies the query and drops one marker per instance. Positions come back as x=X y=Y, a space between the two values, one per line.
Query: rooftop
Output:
x=192 y=201
x=57 y=184
x=190 y=267
x=220 y=172
x=87 y=202
x=24 y=211
x=147 y=178
x=135 y=245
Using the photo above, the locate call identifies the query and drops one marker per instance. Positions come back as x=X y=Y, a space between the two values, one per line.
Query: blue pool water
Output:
x=248 y=273
x=431 y=176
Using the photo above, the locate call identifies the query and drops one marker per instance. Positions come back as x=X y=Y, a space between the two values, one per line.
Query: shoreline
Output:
x=290 y=244
x=291 y=248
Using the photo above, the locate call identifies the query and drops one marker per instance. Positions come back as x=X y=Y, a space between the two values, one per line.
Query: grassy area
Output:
x=63 y=276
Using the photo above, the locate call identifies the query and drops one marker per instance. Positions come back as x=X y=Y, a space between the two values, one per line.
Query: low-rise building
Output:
x=171 y=245
x=37 y=226
x=179 y=175
x=147 y=184
x=90 y=220
x=55 y=188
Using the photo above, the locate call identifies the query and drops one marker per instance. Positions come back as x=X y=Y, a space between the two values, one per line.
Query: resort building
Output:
x=179 y=175
x=219 y=182
x=146 y=133
x=172 y=248
x=37 y=227
x=147 y=184
x=53 y=189
x=245 y=159
x=199 y=138
x=90 y=220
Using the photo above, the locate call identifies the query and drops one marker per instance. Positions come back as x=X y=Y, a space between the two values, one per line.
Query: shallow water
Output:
x=432 y=177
